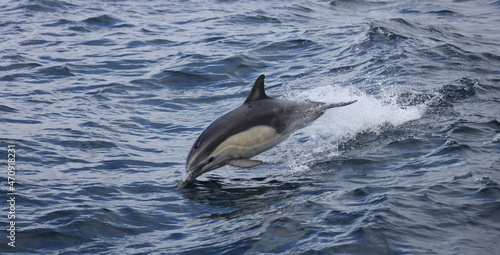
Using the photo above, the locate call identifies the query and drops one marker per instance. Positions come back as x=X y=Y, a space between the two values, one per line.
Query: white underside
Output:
x=248 y=143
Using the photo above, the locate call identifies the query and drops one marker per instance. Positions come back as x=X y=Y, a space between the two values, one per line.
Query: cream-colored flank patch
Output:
x=246 y=143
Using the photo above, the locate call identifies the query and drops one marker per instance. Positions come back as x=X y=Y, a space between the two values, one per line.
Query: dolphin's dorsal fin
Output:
x=257 y=92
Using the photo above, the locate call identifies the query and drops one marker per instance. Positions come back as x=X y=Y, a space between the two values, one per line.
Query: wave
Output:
x=324 y=139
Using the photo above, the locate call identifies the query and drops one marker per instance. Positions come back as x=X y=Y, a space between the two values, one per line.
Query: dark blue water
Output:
x=103 y=100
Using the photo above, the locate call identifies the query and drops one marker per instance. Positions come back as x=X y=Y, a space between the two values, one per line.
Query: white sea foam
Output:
x=370 y=113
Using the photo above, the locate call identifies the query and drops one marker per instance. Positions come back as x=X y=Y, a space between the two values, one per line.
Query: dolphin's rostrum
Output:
x=256 y=126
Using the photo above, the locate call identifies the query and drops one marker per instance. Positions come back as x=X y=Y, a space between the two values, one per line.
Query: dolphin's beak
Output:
x=189 y=177
x=193 y=170
x=184 y=181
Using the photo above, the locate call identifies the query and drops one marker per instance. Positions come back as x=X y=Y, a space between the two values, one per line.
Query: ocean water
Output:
x=104 y=99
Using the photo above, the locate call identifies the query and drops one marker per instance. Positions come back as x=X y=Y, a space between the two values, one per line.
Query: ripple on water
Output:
x=104 y=101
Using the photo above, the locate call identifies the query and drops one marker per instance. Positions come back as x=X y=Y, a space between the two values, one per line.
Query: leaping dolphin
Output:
x=259 y=124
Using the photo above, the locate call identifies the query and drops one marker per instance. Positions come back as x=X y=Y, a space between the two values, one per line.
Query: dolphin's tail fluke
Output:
x=328 y=106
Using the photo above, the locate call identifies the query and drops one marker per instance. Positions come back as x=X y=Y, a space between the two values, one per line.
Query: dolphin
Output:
x=259 y=124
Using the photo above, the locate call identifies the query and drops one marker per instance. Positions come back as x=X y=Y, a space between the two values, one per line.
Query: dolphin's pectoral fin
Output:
x=244 y=162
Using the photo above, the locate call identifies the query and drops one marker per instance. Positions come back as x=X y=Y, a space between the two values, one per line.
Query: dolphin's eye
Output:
x=210 y=159
x=196 y=145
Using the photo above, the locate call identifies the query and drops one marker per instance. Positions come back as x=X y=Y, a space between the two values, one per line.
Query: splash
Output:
x=371 y=113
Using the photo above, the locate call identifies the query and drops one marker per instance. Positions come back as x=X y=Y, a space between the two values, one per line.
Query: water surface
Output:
x=104 y=99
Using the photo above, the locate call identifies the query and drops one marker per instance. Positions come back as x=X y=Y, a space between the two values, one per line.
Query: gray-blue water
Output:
x=103 y=100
